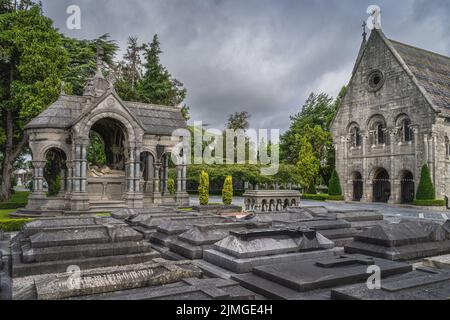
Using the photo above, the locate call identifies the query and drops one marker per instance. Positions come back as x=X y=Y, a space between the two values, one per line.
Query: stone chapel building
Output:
x=394 y=119
x=138 y=142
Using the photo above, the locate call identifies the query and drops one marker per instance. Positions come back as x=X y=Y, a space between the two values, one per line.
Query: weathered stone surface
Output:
x=191 y=243
x=441 y=262
x=127 y=213
x=241 y=251
x=217 y=209
x=52 y=245
x=186 y=290
x=300 y=279
x=404 y=241
x=104 y=280
x=416 y=285
x=257 y=243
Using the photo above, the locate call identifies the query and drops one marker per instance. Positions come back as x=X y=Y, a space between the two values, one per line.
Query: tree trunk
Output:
x=10 y=157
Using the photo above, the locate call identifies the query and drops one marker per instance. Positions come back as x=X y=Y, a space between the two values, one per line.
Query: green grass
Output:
x=4 y=214
x=106 y=214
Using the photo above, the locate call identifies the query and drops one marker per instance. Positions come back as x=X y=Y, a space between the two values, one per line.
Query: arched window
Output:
x=377 y=127
x=405 y=131
x=355 y=136
x=380 y=134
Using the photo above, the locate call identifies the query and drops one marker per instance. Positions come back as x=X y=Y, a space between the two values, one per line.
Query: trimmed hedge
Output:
x=12 y=225
x=334 y=188
x=426 y=190
x=429 y=203
x=322 y=197
x=12 y=205
x=171 y=186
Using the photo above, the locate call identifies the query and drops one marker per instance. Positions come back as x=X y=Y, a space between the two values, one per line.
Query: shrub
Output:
x=203 y=188
x=171 y=186
x=429 y=203
x=322 y=197
x=426 y=189
x=12 y=225
x=334 y=188
x=227 y=191
x=12 y=205
x=315 y=197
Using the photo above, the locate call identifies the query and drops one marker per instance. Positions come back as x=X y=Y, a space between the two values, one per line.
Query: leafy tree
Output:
x=239 y=121
x=334 y=188
x=157 y=85
x=313 y=122
x=32 y=65
x=308 y=165
x=227 y=191
x=131 y=69
x=203 y=188
x=426 y=190
x=96 y=153
x=83 y=60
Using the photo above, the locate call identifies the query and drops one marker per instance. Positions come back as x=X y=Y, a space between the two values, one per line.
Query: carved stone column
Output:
x=79 y=200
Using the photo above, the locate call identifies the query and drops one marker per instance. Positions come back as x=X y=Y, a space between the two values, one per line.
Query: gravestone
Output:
x=192 y=289
x=191 y=243
x=111 y=279
x=408 y=240
x=313 y=280
x=52 y=245
x=241 y=251
x=169 y=229
x=421 y=284
x=126 y=213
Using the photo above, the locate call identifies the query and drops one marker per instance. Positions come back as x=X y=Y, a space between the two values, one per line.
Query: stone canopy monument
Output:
x=137 y=142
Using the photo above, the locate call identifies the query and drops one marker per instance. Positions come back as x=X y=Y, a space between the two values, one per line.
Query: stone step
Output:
x=84 y=251
x=266 y=288
x=23 y=270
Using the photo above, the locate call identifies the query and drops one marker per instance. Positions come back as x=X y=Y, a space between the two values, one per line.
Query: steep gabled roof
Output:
x=431 y=70
x=158 y=120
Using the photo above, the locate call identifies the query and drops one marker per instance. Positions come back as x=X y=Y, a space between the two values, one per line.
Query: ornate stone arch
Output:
x=126 y=120
x=45 y=149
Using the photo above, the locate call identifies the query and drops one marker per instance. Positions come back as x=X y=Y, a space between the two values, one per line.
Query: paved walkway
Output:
x=390 y=211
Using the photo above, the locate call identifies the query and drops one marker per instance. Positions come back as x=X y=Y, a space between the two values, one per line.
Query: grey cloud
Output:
x=262 y=56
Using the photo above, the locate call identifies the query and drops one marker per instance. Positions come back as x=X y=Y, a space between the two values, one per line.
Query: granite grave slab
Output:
x=315 y=278
x=241 y=251
x=408 y=240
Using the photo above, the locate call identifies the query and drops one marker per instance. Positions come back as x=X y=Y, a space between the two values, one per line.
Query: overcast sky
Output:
x=260 y=56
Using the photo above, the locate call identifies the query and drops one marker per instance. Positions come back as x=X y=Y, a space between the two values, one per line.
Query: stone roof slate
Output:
x=160 y=120
x=432 y=71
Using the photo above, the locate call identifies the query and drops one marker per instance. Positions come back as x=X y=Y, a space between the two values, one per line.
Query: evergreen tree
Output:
x=426 y=190
x=227 y=191
x=157 y=85
x=131 y=69
x=32 y=65
x=334 y=188
x=203 y=188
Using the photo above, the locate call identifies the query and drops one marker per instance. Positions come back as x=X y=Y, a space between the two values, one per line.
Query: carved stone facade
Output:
x=394 y=119
x=138 y=144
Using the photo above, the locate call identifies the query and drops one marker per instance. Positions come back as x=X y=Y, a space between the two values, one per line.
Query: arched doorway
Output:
x=381 y=186
x=407 y=187
x=357 y=186
x=55 y=172
x=107 y=156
